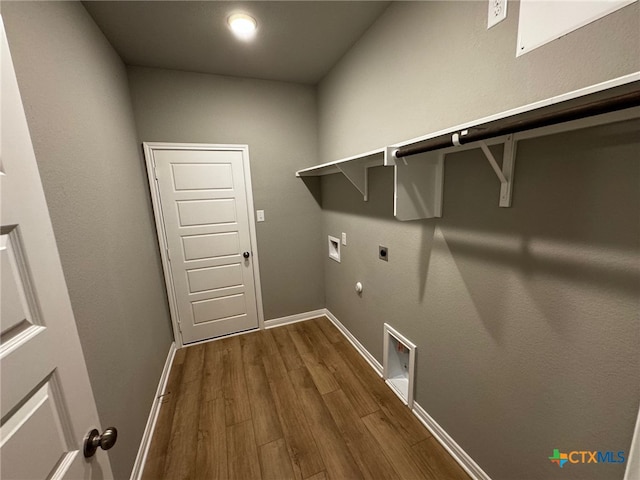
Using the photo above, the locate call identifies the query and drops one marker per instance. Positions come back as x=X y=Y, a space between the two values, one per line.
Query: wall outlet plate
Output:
x=344 y=238
x=497 y=12
x=383 y=253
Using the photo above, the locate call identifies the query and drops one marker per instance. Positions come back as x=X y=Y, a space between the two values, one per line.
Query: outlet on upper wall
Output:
x=497 y=12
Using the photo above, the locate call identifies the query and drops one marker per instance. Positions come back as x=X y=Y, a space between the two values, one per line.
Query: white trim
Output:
x=598 y=87
x=375 y=364
x=449 y=444
x=213 y=339
x=457 y=453
x=334 y=167
x=298 y=317
x=633 y=460
x=145 y=443
x=149 y=148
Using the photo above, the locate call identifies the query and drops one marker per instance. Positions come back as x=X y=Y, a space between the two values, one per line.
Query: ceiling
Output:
x=295 y=42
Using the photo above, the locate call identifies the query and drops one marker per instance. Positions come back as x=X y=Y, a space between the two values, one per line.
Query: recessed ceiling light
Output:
x=242 y=25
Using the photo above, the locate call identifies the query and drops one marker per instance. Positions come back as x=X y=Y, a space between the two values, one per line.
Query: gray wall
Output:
x=278 y=122
x=526 y=319
x=75 y=92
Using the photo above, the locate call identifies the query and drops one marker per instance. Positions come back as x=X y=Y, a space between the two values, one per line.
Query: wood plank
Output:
x=358 y=395
x=212 y=388
x=322 y=377
x=366 y=452
x=409 y=426
x=301 y=444
x=236 y=395
x=178 y=358
x=269 y=342
x=211 y=454
x=393 y=445
x=275 y=463
x=154 y=465
x=336 y=457
x=264 y=415
x=329 y=329
x=319 y=476
x=275 y=368
x=193 y=360
x=242 y=453
x=213 y=373
x=287 y=350
x=181 y=452
x=438 y=460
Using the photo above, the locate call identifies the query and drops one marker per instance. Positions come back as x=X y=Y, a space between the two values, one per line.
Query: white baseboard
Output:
x=458 y=454
x=449 y=444
x=633 y=461
x=298 y=317
x=138 y=465
x=375 y=364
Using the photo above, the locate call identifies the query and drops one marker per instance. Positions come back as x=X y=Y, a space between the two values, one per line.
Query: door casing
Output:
x=149 y=148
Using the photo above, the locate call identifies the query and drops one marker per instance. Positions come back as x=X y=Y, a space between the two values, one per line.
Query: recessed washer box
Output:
x=399 y=359
x=334 y=248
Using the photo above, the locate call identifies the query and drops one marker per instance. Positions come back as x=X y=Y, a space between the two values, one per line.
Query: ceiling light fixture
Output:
x=242 y=25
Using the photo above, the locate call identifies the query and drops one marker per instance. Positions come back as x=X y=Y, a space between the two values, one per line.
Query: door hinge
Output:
x=168 y=253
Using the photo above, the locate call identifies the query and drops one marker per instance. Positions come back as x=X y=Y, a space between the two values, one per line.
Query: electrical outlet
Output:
x=497 y=12
x=344 y=238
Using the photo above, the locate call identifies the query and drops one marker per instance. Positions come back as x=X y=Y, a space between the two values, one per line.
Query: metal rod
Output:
x=508 y=126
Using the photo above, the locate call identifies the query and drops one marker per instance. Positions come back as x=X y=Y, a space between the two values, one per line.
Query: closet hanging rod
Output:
x=506 y=127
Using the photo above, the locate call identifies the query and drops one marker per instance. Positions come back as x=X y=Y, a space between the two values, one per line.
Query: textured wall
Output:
x=77 y=102
x=424 y=66
x=526 y=319
x=278 y=122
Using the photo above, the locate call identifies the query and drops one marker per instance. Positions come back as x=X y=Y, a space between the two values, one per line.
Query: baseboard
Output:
x=633 y=461
x=449 y=444
x=298 y=317
x=458 y=454
x=354 y=341
x=138 y=465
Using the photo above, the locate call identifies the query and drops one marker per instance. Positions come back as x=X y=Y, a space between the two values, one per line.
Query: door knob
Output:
x=95 y=440
x=246 y=254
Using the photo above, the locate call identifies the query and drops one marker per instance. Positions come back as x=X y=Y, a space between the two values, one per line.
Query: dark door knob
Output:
x=95 y=440
x=246 y=254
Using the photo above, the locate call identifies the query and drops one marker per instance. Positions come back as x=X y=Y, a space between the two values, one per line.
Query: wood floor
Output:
x=293 y=402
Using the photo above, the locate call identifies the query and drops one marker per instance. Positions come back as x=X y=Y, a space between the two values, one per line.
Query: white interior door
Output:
x=46 y=400
x=203 y=213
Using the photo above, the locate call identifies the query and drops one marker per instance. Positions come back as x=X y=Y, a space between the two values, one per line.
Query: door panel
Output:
x=47 y=405
x=202 y=177
x=198 y=247
x=206 y=212
x=218 y=308
x=36 y=423
x=213 y=278
x=205 y=224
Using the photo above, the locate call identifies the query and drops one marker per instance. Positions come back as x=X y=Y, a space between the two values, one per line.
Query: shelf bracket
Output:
x=506 y=173
x=356 y=172
x=418 y=184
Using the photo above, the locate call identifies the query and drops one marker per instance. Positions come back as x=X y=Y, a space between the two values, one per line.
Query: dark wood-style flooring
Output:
x=293 y=402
